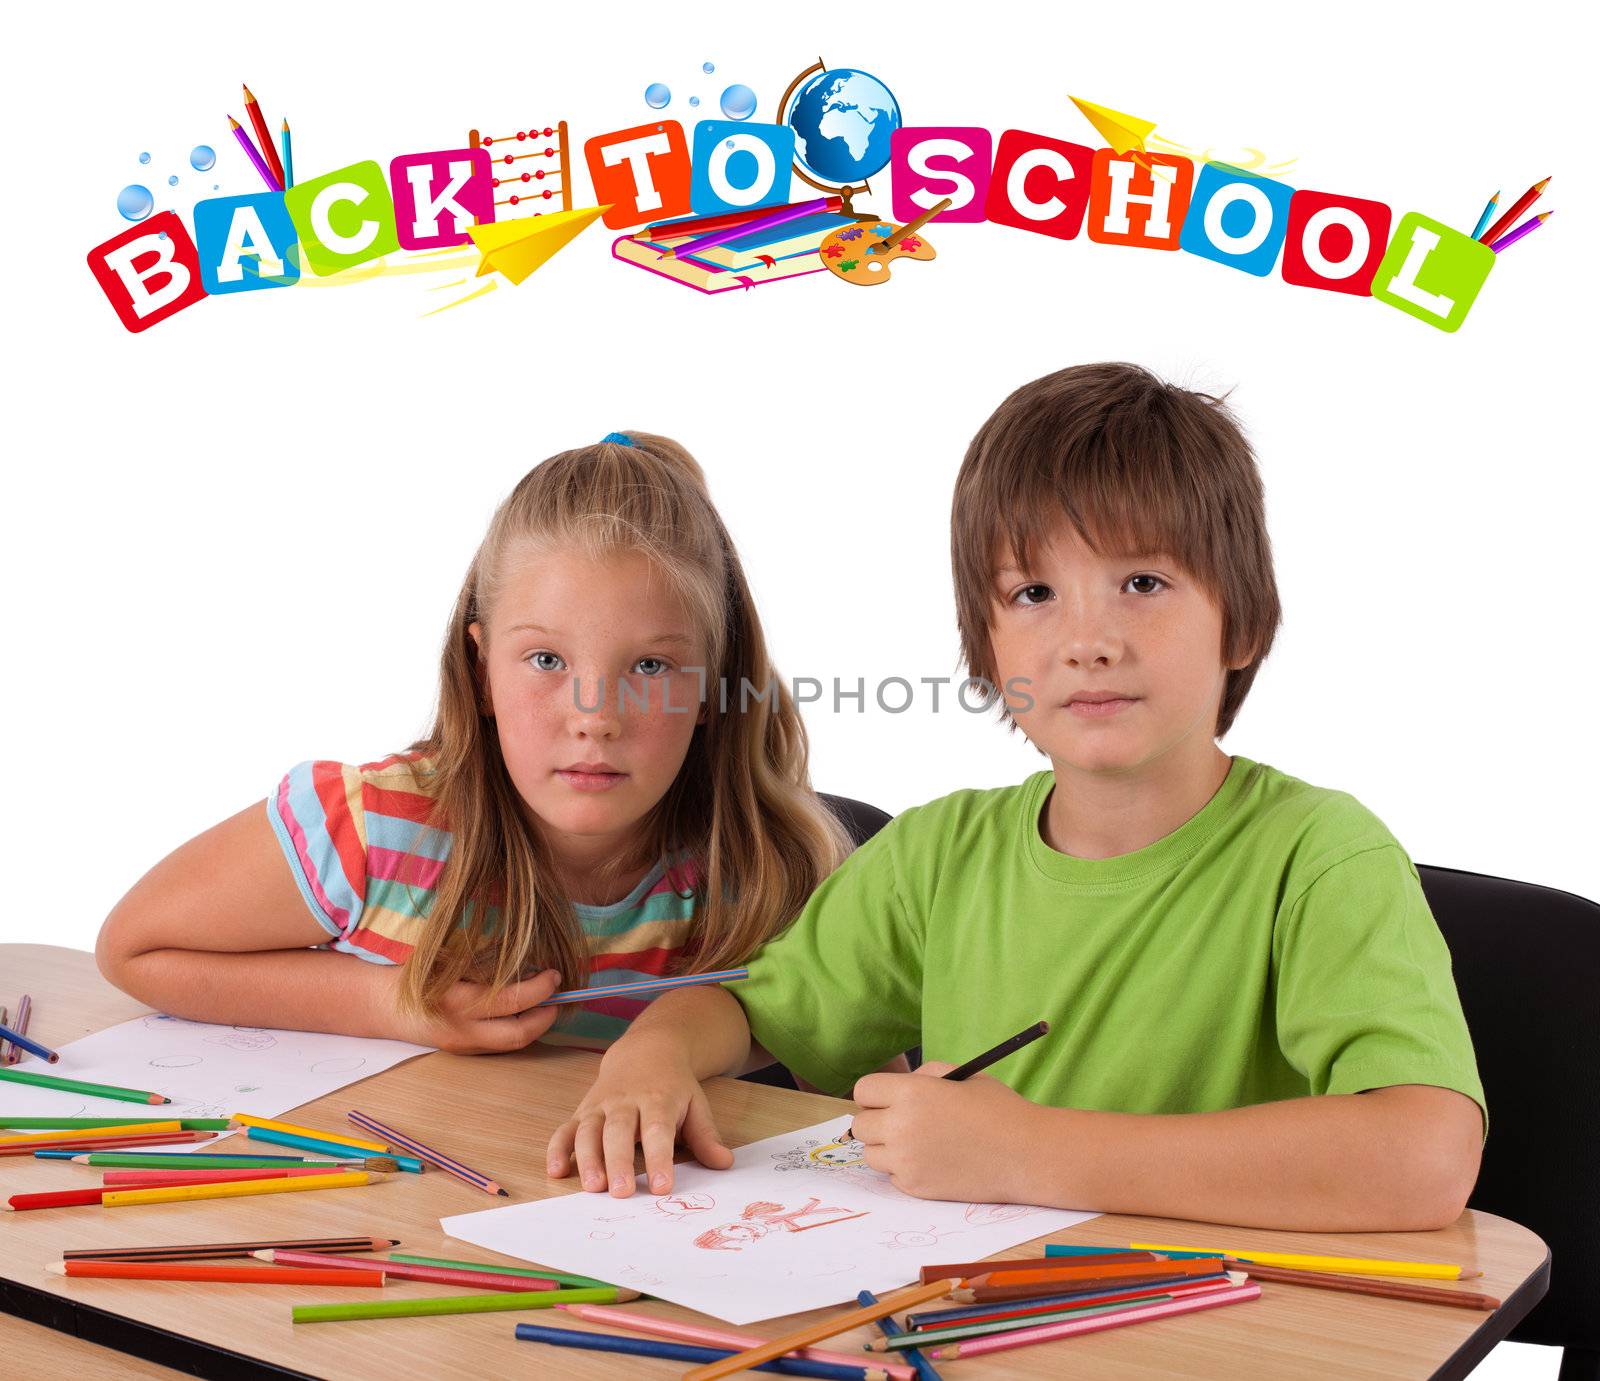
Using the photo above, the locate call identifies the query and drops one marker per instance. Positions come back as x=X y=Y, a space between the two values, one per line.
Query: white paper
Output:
x=207 y=1071
x=799 y=1222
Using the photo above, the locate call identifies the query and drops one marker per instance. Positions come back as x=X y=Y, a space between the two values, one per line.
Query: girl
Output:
x=597 y=800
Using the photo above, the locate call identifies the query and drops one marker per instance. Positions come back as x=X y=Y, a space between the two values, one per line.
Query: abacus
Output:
x=535 y=186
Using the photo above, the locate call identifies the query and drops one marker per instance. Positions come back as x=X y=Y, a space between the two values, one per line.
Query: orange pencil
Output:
x=1049 y=1275
x=258 y=122
x=1522 y=203
x=235 y=1275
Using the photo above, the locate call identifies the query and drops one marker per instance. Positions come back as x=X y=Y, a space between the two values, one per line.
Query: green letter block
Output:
x=343 y=218
x=1432 y=272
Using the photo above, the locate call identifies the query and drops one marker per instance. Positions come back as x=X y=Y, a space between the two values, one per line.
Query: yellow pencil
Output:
x=92 y=1133
x=1335 y=1265
x=244 y=1119
x=234 y=1189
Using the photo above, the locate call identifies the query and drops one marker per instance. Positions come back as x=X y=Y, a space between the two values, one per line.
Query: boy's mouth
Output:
x=1100 y=704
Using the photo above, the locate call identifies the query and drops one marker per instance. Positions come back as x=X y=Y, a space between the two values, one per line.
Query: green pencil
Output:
x=457 y=1304
x=189 y=1124
x=577 y=1282
x=122 y=1095
x=127 y=1160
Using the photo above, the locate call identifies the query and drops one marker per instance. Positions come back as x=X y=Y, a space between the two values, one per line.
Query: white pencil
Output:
x=644 y=985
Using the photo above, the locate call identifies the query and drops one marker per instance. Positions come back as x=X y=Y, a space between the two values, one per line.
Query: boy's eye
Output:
x=546 y=661
x=651 y=666
x=1033 y=594
x=1144 y=584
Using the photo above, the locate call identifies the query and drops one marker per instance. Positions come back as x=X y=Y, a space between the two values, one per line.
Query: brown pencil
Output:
x=217 y=1251
x=1352 y=1285
x=967 y=1269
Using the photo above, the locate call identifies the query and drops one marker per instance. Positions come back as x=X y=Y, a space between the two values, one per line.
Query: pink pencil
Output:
x=128 y=1179
x=721 y=1337
x=13 y=1053
x=405 y=1270
x=1044 y=1333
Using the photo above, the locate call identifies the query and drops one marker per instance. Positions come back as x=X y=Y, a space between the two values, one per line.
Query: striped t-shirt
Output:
x=367 y=856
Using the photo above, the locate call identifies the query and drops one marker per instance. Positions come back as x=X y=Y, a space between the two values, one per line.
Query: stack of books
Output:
x=762 y=256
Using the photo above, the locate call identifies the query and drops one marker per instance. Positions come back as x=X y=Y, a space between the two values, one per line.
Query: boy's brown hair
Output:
x=1135 y=464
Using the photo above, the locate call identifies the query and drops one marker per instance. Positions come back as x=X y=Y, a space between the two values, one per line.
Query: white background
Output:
x=232 y=541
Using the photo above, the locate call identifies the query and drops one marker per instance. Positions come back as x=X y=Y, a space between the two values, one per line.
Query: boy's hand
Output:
x=646 y=1094
x=943 y=1140
x=470 y=1022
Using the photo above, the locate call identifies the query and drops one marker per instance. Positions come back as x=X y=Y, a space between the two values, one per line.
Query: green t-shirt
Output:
x=1276 y=944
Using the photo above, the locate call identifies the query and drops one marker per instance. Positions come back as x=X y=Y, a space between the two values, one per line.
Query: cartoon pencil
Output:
x=250 y=151
x=258 y=122
x=288 y=158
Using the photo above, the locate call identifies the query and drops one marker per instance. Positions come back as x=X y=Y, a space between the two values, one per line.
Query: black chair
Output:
x=1527 y=966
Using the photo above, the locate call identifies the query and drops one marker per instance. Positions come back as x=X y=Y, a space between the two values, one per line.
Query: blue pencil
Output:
x=288 y=158
x=1488 y=211
x=327 y=1148
x=643 y=985
x=678 y=1352
x=44 y=1052
x=924 y=1367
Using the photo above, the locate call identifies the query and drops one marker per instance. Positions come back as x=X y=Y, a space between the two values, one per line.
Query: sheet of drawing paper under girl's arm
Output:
x=207 y=1071
x=799 y=1222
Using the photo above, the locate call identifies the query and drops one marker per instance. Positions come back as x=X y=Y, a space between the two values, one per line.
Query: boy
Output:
x=1252 y=1015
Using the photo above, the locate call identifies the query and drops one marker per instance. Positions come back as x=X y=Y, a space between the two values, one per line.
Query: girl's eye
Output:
x=1033 y=594
x=1144 y=584
x=546 y=661
x=651 y=666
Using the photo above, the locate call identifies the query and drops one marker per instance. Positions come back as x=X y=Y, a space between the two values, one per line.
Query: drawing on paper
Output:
x=913 y=1237
x=176 y=1061
x=815 y=1154
x=986 y=1214
x=762 y=1217
x=242 y=1038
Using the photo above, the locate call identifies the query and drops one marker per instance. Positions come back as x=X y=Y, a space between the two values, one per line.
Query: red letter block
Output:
x=147 y=278
x=1040 y=184
x=1335 y=243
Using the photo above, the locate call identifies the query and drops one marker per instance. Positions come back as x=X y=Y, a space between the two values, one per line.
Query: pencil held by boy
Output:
x=1252 y=1017
x=581 y=813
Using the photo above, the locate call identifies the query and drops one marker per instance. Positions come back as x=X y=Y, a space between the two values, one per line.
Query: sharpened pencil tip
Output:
x=503 y=1193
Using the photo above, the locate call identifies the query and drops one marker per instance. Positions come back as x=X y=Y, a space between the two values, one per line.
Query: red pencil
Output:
x=258 y=122
x=109 y=1143
x=63 y=1198
x=406 y=1270
x=1522 y=203
x=237 y=1275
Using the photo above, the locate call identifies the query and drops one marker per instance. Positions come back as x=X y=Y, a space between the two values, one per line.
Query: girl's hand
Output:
x=646 y=1094
x=472 y=1023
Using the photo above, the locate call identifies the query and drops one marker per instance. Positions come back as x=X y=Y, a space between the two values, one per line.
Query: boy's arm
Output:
x=1391 y=1159
x=217 y=931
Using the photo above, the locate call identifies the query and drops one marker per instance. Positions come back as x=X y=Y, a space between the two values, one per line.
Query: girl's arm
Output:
x=217 y=931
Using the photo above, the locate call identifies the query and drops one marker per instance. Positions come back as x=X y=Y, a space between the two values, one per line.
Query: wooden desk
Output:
x=504 y=1108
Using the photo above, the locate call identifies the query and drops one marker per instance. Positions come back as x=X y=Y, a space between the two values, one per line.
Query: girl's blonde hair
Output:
x=741 y=806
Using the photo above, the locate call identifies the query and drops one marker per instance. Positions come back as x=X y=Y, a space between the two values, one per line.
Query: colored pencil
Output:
x=978 y=1063
x=708 y=1337
x=827 y=1328
x=1052 y=1275
x=288 y=158
x=327 y=1148
x=89 y=1133
x=1011 y=1294
x=258 y=122
x=203 y=1251
x=781 y=216
x=122 y=1095
x=235 y=1275
x=967 y=1269
x=1526 y=228
x=5 y=1050
x=254 y=157
x=20 y=1041
x=188 y=1124
x=244 y=1119
x=143 y=1179
x=704 y=225
x=560 y=1277
x=1509 y=219
x=1488 y=211
x=1354 y=1285
x=575 y=996
x=1349 y=1265
x=404 y=1270
x=234 y=1189
x=61 y=1198
x=19 y=1023
x=455 y=1304
x=684 y=1352
x=957 y=1332
x=1023 y=1337
x=922 y=1367
x=107 y=1142
x=155 y=1160
x=1014 y=1309
x=448 y=1164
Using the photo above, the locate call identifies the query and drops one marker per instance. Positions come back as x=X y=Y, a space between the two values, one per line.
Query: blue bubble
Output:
x=202 y=157
x=738 y=102
x=144 y=158
x=656 y=95
x=172 y=181
x=708 y=67
x=694 y=100
x=216 y=186
x=134 y=202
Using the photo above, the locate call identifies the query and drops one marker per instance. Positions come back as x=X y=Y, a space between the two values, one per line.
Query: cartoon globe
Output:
x=842 y=119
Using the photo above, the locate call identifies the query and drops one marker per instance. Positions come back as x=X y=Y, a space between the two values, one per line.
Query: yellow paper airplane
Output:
x=516 y=248
x=1124 y=133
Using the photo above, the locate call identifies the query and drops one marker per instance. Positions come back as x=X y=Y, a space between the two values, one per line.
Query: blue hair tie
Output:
x=617 y=439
